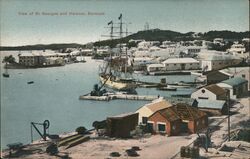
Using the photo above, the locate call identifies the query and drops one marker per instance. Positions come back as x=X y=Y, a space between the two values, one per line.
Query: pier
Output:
x=118 y=96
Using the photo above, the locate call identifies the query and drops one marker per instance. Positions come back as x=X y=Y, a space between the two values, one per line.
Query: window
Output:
x=243 y=76
x=202 y=97
x=203 y=91
x=197 y=123
x=144 y=120
x=161 y=127
x=173 y=127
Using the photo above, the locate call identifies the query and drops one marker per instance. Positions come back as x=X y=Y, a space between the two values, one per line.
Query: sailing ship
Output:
x=6 y=74
x=114 y=79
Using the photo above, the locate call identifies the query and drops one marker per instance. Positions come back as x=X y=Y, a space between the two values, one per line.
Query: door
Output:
x=150 y=127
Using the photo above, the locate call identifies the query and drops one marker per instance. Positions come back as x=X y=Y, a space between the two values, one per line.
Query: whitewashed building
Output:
x=41 y=58
x=215 y=60
x=168 y=44
x=210 y=92
x=218 y=41
x=237 y=48
x=173 y=64
x=147 y=44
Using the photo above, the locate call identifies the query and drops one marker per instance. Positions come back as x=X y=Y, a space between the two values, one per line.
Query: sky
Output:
x=28 y=22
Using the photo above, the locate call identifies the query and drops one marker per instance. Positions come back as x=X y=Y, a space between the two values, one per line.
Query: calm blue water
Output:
x=54 y=96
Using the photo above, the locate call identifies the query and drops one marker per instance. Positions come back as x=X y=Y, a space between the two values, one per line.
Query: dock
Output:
x=100 y=98
x=134 y=97
x=118 y=96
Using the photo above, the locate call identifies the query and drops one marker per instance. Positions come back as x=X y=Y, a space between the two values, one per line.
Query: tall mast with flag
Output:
x=120 y=18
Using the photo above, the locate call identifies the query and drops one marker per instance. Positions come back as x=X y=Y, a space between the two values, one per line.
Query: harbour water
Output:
x=54 y=96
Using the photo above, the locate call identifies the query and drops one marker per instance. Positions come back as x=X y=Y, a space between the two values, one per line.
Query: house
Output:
x=212 y=107
x=177 y=119
x=140 y=63
x=237 y=48
x=173 y=64
x=41 y=58
x=191 y=50
x=210 y=92
x=215 y=60
x=150 y=108
x=218 y=41
x=243 y=72
x=237 y=86
x=121 y=125
x=147 y=44
x=216 y=76
x=168 y=44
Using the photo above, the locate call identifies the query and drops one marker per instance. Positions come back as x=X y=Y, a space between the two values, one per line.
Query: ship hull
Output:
x=117 y=85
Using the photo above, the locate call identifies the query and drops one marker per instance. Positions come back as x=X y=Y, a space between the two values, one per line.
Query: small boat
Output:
x=6 y=75
x=167 y=89
x=30 y=82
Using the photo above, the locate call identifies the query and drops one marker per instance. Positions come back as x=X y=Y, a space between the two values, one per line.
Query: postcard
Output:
x=148 y=79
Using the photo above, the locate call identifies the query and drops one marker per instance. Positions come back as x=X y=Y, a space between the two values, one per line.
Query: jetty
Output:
x=118 y=96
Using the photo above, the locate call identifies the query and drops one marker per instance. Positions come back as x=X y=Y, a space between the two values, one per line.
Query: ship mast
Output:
x=120 y=18
x=111 y=38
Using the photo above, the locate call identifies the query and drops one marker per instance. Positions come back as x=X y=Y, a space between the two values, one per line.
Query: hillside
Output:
x=162 y=35
x=42 y=47
x=148 y=35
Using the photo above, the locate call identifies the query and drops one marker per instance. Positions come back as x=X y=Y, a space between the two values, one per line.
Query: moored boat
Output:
x=167 y=89
x=117 y=83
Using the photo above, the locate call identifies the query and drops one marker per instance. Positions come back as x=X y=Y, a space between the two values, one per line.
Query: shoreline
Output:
x=151 y=146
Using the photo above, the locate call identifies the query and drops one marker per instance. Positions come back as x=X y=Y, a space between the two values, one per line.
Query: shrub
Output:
x=81 y=130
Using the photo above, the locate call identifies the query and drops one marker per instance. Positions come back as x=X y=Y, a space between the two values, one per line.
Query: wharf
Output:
x=170 y=73
x=118 y=96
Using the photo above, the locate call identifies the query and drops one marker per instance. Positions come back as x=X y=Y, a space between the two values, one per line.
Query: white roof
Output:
x=180 y=60
x=143 y=58
x=212 y=55
x=40 y=53
x=156 y=65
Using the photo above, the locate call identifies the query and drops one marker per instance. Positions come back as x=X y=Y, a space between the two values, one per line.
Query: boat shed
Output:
x=150 y=108
x=210 y=92
x=177 y=119
x=173 y=64
x=193 y=119
x=237 y=86
x=216 y=76
x=164 y=121
x=213 y=108
x=121 y=125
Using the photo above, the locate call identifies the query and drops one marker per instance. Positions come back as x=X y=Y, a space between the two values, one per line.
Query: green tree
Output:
x=9 y=59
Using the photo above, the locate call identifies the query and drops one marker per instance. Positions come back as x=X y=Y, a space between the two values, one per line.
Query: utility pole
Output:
x=228 y=112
